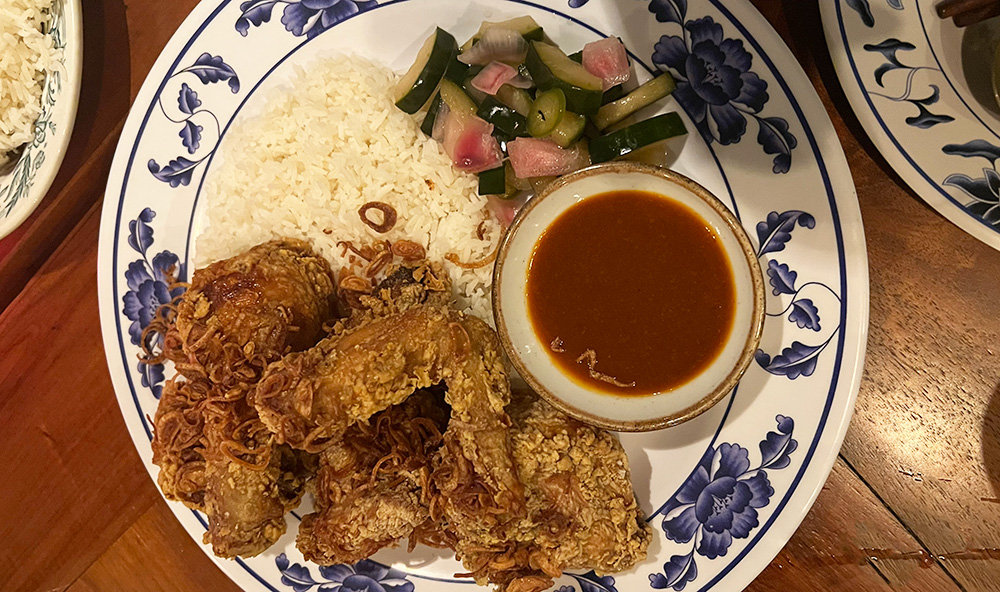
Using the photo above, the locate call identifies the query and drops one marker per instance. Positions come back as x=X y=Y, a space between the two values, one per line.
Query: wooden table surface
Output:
x=912 y=503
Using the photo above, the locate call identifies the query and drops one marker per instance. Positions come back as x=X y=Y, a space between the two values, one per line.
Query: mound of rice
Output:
x=324 y=146
x=26 y=55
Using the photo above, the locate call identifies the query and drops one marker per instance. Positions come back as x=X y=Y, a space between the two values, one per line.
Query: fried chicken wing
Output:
x=581 y=509
x=371 y=489
x=238 y=315
x=308 y=399
x=474 y=473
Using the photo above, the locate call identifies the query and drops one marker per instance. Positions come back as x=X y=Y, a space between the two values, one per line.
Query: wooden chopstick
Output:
x=972 y=17
x=968 y=12
x=951 y=8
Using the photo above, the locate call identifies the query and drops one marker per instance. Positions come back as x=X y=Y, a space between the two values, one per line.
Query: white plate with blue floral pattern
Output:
x=724 y=492
x=23 y=185
x=921 y=88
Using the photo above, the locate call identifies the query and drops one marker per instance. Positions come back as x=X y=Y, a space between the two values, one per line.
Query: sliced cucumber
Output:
x=551 y=68
x=493 y=182
x=432 y=112
x=569 y=129
x=457 y=100
x=504 y=119
x=645 y=95
x=635 y=136
x=456 y=71
x=418 y=84
x=517 y=99
x=612 y=94
x=546 y=112
x=525 y=25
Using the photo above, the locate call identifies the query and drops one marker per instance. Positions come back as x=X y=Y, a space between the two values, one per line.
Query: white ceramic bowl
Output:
x=530 y=355
x=23 y=186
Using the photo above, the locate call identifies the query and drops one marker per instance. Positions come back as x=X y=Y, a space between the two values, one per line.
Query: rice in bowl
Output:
x=27 y=55
x=325 y=146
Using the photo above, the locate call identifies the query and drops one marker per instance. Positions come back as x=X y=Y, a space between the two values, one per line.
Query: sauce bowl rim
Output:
x=749 y=255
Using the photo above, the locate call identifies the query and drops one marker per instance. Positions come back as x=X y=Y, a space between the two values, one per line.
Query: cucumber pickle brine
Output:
x=632 y=291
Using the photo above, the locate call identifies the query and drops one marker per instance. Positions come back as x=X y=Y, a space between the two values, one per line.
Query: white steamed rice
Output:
x=323 y=147
x=26 y=55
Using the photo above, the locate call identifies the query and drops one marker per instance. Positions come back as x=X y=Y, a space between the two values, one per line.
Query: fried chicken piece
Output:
x=178 y=450
x=250 y=482
x=404 y=286
x=408 y=285
x=308 y=400
x=475 y=475
x=243 y=312
x=581 y=509
x=371 y=487
x=238 y=315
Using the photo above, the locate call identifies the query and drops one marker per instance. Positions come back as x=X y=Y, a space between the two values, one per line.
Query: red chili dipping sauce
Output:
x=633 y=292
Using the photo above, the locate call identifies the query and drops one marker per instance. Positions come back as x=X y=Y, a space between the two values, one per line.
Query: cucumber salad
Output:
x=514 y=108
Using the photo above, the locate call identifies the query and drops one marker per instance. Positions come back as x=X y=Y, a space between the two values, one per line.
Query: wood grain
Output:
x=78 y=480
x=150 y=547
x=55 y=219
x=850 y=541
x=926 y=433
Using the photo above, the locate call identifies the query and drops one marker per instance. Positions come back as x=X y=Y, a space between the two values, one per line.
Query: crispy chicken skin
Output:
x=371 y=489
x=238 y=315
x=177 y=442
x=245 y=502
x=272 y=299
x=581 y=508
x=474 y=472
x=406 y=410
x=308 y=400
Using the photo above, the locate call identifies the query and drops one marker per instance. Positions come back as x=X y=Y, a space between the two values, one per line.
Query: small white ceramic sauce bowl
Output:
x=530 y=356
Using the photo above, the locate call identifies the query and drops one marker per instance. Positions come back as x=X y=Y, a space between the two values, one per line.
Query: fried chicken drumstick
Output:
x=238 y=315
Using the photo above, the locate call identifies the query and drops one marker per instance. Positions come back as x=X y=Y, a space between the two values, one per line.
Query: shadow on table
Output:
x=991 y=441
x=105 y=89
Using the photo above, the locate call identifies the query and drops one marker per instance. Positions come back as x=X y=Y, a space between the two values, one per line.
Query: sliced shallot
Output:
x=521 y=81
x=496 y=44
x=505 y=209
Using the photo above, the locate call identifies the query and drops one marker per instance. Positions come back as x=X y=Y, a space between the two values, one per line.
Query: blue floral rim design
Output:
x=830 y=196
x=977 y=211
